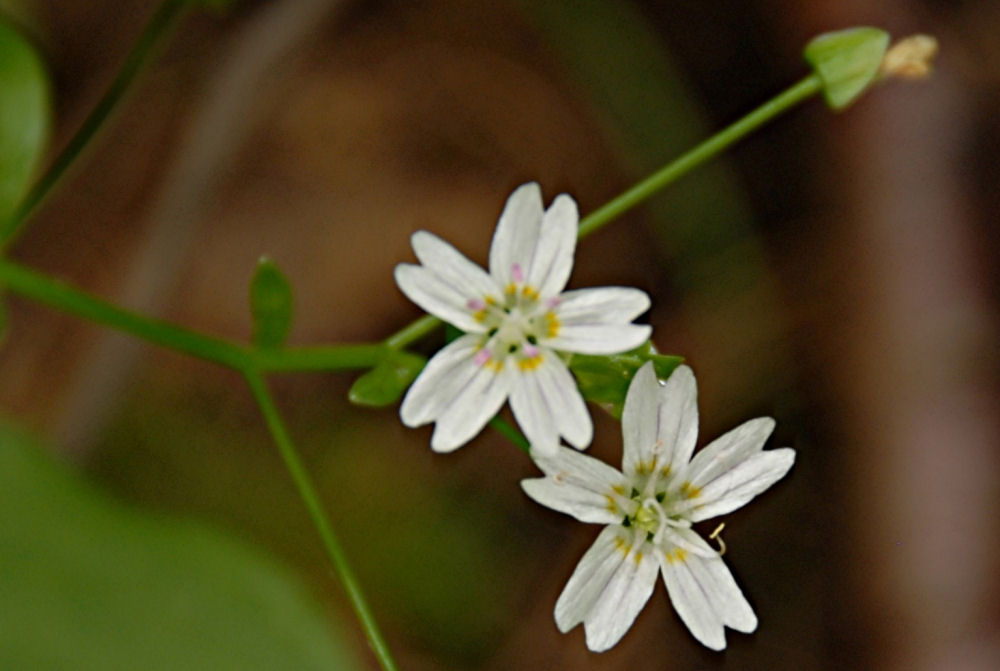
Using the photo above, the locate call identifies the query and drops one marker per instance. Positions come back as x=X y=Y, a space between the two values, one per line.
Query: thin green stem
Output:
x=159 y=25
x=698 y=155
x=49 y=291
x=307 y=491
x=44 y=289
x=503 y=427
x=671 y=172
x=416 y=330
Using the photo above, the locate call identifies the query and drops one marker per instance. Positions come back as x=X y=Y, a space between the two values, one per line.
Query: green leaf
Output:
x=605 y=379
x=847 y=61
x=270 y=304
x=386 y=382
x=24 y=115
x=90 y=584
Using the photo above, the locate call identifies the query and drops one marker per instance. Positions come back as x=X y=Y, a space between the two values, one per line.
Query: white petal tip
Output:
x=444 y=445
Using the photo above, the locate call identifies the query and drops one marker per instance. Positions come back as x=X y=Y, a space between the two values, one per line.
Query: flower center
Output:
x=515 y=325
x=651 y=516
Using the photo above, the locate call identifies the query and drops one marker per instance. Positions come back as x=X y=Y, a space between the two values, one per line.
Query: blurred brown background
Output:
x=838 y=272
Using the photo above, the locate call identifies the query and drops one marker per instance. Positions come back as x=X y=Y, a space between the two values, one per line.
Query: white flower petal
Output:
x=619 y=603
x=728 y=450
x=547 y=404
x=437 y=296
x=721 y=590
x=677 y=424
x=444 y=376
x=734 y=488
x=704 y=592
x=596 y=584
x=570 y=410
x=473 y=406
x=603 y=305
x=596 y=321
x=553 y=256
x=640 y=419
x=576 y=485
x=452 y=266
x=517 y=232
x=690 y=599
x=599 y=338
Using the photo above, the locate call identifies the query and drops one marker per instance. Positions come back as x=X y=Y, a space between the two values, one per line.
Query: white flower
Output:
x=649 y=510
x=516 y=319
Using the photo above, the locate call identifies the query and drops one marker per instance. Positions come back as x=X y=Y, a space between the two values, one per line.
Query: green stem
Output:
x=416 y=330
x=503 y=427
x=307 y=491
x=671 y=172
x=165 y=17
x=44 y=289
x=703 y=152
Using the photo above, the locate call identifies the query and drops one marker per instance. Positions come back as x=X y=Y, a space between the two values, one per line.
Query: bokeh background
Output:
x=836 y=271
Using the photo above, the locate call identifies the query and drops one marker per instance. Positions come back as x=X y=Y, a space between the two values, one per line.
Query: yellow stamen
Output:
x=689 y=491
x=678 y=555
x=716 y=537
x=612 y=506
x=531 y=363
x=511 y=289
x=479 y=315
x=551 y=324
x=528 y=292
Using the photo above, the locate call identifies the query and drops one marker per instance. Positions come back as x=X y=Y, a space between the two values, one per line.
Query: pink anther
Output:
x=553 y=302
x=476 y=304
x=482 y=356
x=516 y=273
x=530 y=350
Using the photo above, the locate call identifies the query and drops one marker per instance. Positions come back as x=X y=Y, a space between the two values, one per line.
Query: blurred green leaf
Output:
x=24 y=115
x=270 y=304
x=452 y=333
x=89 y=584
x=847 y=62
x=605 y=379
x=386 y=382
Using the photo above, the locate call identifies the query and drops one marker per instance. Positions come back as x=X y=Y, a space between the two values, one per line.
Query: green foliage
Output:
x=24 y=115
x=89 y=584
x=847 y=61
x=386 y=382
x=270 y=304
x=605 y=379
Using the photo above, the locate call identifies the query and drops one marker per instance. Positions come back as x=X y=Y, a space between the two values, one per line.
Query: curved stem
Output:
x=309 y=496
x=159 y=25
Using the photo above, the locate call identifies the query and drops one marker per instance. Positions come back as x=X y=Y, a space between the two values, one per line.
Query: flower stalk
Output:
x=166 y=16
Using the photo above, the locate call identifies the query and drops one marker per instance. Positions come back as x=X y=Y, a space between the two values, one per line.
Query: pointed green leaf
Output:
x=847 y=62
x=605 y=379
x=386 y=382
x=24 y=115
x=91 y=584
x=270 y=304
